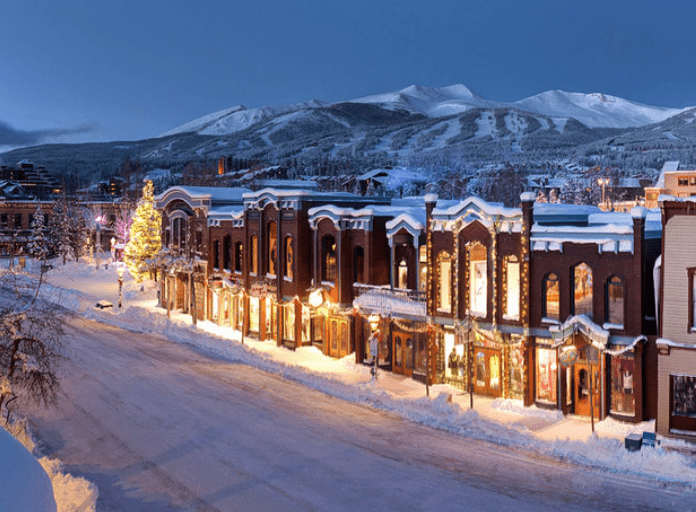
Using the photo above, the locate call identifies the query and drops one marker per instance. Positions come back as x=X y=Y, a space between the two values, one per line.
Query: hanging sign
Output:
x=568 y=356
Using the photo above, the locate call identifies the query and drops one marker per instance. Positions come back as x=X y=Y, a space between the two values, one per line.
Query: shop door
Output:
x=487 y=378
x=403 y=351
x=338 y=338
x=582 y=389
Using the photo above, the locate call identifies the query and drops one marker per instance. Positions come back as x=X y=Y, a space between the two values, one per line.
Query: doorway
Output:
x=584 y=390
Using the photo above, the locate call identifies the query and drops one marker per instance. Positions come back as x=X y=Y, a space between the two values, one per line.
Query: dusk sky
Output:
x=125 y=70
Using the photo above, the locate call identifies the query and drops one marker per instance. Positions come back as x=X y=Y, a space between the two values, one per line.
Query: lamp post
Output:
x=120 y=269
x=374 y=321
x=603 y=182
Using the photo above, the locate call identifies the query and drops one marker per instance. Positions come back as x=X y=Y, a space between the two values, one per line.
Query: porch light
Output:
x=374 y=320
x=316 y=298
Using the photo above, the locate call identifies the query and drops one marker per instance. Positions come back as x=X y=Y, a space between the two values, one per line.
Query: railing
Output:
x=385 y=299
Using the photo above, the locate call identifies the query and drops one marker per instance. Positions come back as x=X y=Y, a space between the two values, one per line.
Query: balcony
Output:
x=389 y=301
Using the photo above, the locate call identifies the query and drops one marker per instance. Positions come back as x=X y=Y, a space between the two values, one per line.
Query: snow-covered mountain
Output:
x=595 y=110
x=592 y=110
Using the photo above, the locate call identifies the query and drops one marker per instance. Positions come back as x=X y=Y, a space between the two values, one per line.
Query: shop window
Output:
x=402 y=275
x=254 y=255
x=238 y=256
x=684 y=395
x=615 y=301
x=582 y=290
x=551 y=297
x=358 y=265
x=623 y=400
x=512 y=288
x=272 y=247
x=254 y=312
x=227 y=252
x=421 y=351
x=289 y=258
x=329 y=268
x=516 y=371
x=547 y=377
x=306 y=325
x=478 y=280
x=444 y=291
x=409 y=353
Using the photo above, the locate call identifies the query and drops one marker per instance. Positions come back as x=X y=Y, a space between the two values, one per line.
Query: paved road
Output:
x=160 y=426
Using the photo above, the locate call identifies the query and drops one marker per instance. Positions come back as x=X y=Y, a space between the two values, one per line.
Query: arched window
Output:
x=478 y=279
x=329 y=267
x=254 y=268
x=238 y=257
x=227 y=252
x=615 y=301
x=272 y=247
x=402 y=275
x=551 y=297
x=216 y=254
x=582 y=290
x=444 y=282
x=289 y=257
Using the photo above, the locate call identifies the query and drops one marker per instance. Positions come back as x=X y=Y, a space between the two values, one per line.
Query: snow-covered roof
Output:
x=476 y=209
x=205 y=197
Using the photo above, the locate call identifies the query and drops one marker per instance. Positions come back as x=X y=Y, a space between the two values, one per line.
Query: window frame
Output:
x=545 y=297
x=608 y=288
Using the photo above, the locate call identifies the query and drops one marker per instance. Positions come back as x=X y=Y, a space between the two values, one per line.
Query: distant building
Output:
x=35 y=180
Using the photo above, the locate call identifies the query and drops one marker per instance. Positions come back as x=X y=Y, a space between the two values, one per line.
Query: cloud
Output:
x=10 y=136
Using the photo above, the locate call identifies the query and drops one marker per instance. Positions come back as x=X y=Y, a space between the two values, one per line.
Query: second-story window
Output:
x=18 y=221
x=272 y=247
x=238 y=257
x=512 y=288
x=582 y=292
x=289 y=257
x=402 y=275
x=615 y=301
x=478 y=280
x=551 y=310
x=358 y=265
x=254 y=255
x=227 y=252
x=216 y=254
x=444 y=282
x=329 y=268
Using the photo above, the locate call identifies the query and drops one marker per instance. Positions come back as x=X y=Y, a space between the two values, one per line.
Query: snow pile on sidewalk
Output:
x=68 y=493
x=77 y=287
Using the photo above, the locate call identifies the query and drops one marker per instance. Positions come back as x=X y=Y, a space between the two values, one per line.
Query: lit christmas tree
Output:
x=145 y=236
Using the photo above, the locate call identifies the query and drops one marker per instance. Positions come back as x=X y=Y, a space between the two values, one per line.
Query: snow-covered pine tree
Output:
x=145 y=236
x=39 y=245
x=59 y=228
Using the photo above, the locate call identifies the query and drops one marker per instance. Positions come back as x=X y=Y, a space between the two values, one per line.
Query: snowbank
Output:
x=24 y=485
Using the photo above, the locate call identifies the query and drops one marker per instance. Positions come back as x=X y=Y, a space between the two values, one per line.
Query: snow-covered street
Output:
x=162 y=426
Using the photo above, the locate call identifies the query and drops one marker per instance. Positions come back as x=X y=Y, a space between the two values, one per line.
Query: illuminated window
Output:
x=444 y=289
x=512 y=288
x=615 y=301
x=254 y=254
x=272 y=247
x=329 y=268
x=478 y=280
x=289 y=257
x=402 y=275
x=551 y=296
x=582 y=290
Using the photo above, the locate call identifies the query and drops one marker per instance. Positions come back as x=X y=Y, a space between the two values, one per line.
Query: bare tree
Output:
x=30 y=344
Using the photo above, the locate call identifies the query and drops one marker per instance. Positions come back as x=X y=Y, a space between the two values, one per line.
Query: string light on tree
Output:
x=145 y=236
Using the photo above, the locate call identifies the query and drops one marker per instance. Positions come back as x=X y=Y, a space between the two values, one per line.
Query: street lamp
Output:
x=120 y=269
x=603 y=182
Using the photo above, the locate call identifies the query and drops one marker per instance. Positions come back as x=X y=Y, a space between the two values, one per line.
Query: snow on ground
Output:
x=78 y=286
